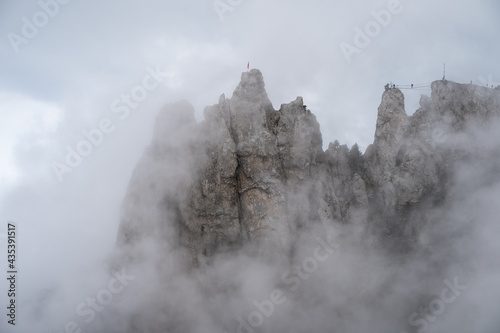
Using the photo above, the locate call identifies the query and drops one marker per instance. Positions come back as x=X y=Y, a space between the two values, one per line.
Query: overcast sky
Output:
x=62 y=77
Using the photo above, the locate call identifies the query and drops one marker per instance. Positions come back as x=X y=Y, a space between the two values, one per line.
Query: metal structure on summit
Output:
x=417 y=86
x=427 y=85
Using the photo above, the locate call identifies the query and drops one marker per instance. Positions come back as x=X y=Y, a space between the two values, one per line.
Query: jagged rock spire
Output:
x=252 y=174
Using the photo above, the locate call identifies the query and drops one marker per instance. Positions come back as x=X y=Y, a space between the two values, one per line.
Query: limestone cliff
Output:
x=252 y=174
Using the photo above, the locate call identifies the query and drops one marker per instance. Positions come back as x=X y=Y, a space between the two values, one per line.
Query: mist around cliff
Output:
x=64 y=66
x=340 y=278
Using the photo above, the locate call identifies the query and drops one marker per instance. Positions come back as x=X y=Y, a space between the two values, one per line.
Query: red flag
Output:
x=248 y=65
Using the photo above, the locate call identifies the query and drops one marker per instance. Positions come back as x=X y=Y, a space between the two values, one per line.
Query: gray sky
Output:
x=63 y=79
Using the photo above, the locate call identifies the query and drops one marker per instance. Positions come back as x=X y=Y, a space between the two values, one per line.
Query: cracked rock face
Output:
x=252 y=174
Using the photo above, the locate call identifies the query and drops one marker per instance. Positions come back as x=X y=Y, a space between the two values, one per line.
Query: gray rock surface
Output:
x=252 y=174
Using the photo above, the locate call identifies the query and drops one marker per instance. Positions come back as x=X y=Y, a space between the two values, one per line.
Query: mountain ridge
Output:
x=249 y=173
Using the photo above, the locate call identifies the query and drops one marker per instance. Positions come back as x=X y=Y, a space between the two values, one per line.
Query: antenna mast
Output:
x=444 y=70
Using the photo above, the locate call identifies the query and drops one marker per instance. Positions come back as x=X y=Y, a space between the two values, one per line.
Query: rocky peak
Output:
x=251 y=116
x=391 y=116
x=252 y=174
x=251 y=88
